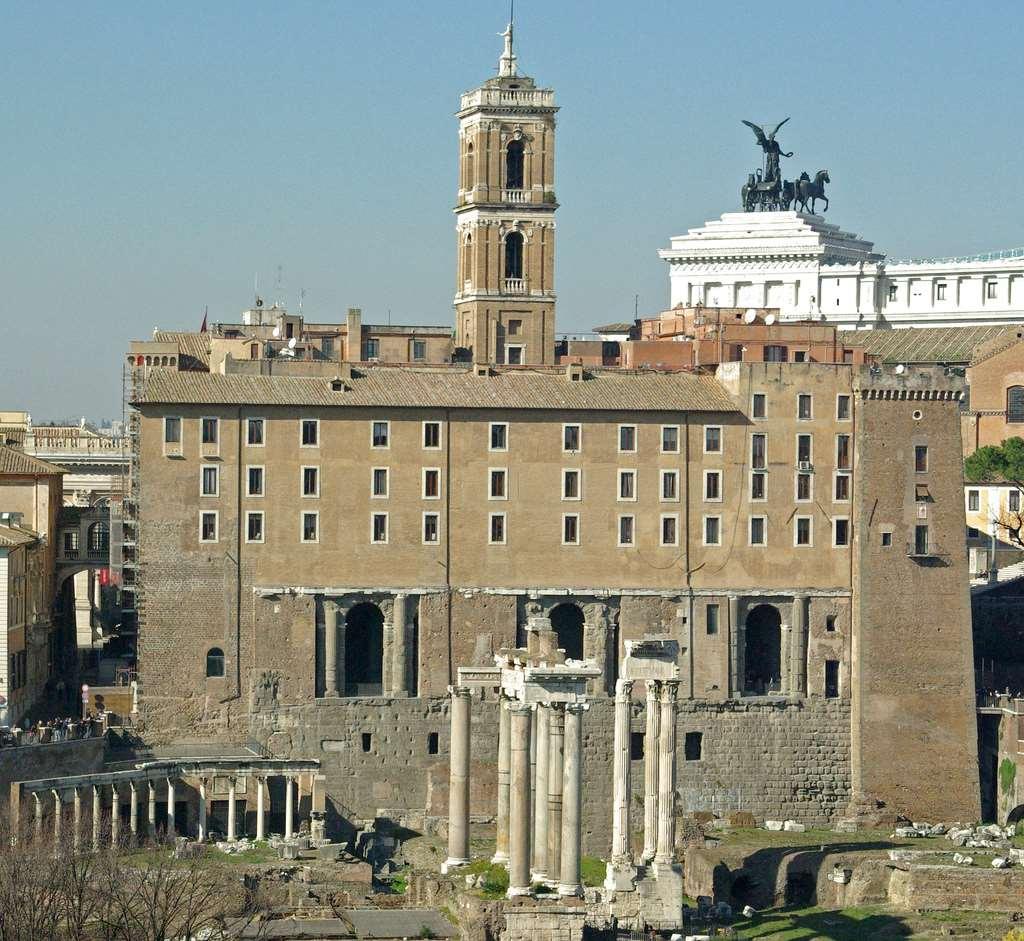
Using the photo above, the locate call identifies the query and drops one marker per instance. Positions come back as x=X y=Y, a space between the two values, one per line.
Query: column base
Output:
x=518 y=891
x=449 y=864
x=569 y=891
x=538 y=875
x=500 y=859
x=620 y=877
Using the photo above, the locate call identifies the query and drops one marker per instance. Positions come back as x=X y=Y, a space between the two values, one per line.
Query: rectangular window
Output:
x=208 y=527
x=886 y=539
x=830 y=623
x=803 y=487
x=669 y=530
x=311 y=481
x=172 y=430
x=973 y=501
x=842 y=408
x=571 y=485
x=972 y=532
x=712 y=439
x=627 y=485
x=759 y=485
x=210 y=480
x=670 y=486
x=802 y=534
x=371 y=348
x=431 y=529
x=636 y=746
x=309 y=432
x=843 y=461
x=842 y=492
x=759 y=451
x=892 y=292
x=515 y=327
x=499 y=436
x=758 y=405
x=626 y=527
x=774 y=353
x=669 y=439
x=711 y=618
x=803 y=449
x=514 y=355
x=712 y=531
x=496 y=529
x=570 y=529
x=831 y=679
x=570 y=438
x=990 y=290
x=758 y=535
x=310 y=527
x=255 y=481
x=419 y=350
x=803 y=407
x=380 y=433
x=920 y=540
x=254 y=526
x=254 y=433
x=379 y=482
x=940 y=292
x=1013 y=501
x=693 y=746
x=713 y=486
x=432 y=436
x=840 y=532
x=431 y=483
x=627 y=438
x=498 y=486
x=378 y=528
x=211 y=430
x=921 y=458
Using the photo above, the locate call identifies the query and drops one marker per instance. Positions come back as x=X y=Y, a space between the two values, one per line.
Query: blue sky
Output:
x=156 y=156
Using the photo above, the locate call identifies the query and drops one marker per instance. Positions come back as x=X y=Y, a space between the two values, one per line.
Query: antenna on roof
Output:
x=256 y=289
x=302 y=296
x=279 y=288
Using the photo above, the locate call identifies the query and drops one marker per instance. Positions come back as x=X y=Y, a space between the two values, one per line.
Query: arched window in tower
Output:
x=467 y=259
x=1015 y=404
x=470 y=182
x=514 y=255
x=514 y=165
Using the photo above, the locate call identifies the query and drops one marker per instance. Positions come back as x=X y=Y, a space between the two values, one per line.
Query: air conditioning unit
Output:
x=805 y=467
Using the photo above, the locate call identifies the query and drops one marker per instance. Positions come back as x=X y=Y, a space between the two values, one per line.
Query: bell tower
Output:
x=505 y=219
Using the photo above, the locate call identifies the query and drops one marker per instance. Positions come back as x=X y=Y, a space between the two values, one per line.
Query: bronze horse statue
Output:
x=809 y=191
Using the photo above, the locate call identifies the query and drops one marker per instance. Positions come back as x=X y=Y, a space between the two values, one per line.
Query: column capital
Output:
x=462 y=692
x=518 y=708
x=623 y=689
x=669 y=691
x=576 y=708
x=652 y=688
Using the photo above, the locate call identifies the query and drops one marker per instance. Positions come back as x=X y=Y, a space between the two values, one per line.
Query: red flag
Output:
x=202 y=329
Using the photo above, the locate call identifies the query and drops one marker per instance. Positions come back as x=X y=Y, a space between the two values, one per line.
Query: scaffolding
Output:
x=124 y=517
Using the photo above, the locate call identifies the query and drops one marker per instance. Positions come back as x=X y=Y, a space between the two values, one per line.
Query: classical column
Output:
x=115 y=816
x=798 y=668
x=171 y=830
x=458 y=778
x=289 y=810
x=504 y=752
x=96 y=817
x=540 y=869
x=231 y=809
x=151 y=810
x=202 y=834
x=667 y=775
x=736 y=665
x=651 y=736
x=519 y=801
x=133 y=810
x=58 y=813
x=330 y=648
x=556 y=766
x=76 y=832
x=260 y=822
x=622 y=856
x=572 y=798
x=400 y=668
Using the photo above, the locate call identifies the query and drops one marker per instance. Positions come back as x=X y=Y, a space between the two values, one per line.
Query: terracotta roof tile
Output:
x=193 y=348
x=11 y=537
x=13 y=461
x=954 y=345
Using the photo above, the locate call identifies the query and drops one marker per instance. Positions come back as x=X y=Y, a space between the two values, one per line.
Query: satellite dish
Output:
x=769 y=320
x=291 y=343
x=900 y=369
x=277 y=332
x=750 y=316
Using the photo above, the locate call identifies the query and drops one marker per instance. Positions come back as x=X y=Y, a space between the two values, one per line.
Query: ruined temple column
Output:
x=653 y=719
x=170 y=809
x=202 y=834
x=133 y=810
x=151 y=814
x=736 y=642
x=798 y=640
x=260 y=821
x=289 y=809
x=115 y=816
x=400 y=667
x=330 y=649
x=569 y=882
x=556 y=771
x=76 y=823
x=231 y=809
x=621 y=863
x=58 y=813
x=667 y=775
x=458 y=778
x=540 y=869
x=500 y=856
x=519 y=801
x=96 y=816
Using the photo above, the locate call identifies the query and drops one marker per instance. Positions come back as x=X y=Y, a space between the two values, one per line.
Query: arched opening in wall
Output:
x=743 y=891
x=801 y=889
x=1015 y=404
x=514 y=165
x=763 y=651
x=215 y=662
x=567 y=623
x=467 y=259
x=364 y=651
x=1016 y=815
x=514 y=255
x=99 y=537
x=470 y=181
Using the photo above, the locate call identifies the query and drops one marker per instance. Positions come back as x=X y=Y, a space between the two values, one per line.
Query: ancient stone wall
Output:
x=31 y=762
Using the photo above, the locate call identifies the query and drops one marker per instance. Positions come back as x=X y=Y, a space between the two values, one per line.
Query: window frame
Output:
x=490 y=436
x=632 y=531
x=521 y=347
x=835 y=532
x=919 y=451
x=579 y=537
x=437 y=528
x=840 y=397
x=754 y=435
x=302 y=429
x=810 y=532
x=302 y=481
x=491 y=541
x=678 y=433
x=712 y=624
x=423 y=436
x=663 y=474
x=491 y=471
x=387 y=483
x=704 y=531
x=809 y=438
x=750 y=490
x=248 y=481
x=423 y=483
x=755 y=399
x=1013 y=496
x=566 y=471
x=386 y=446
x=796 y=487
x=302 y=527
x=203 y=468
x=800 y=398
x=973 y=497
x=848 y=477
x=721 y=437
x=252 y=514
x=618 y=438
x=662 y=519
x=707 y=474
x=216 y=526
x=173 y=448
x=374 y=516
x=1017 y=410
x=619 y=498
x=750 y=531
x=215 y=443
x=579 y=437
x=263 y=431
x=842 y=465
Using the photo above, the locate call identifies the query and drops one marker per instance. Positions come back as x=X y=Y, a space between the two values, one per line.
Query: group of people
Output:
x=64 y=729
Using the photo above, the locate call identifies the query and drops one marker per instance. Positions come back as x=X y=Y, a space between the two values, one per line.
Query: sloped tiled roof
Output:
x=13 y=461
x=449 y=388
x=11 y=537
x=193 y=348
x=953 y=345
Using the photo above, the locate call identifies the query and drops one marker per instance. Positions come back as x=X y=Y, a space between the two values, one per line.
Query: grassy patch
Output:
x=593 y=871
x=495 y=882
x=400 y=882
x=150 y=856
x=804 y=924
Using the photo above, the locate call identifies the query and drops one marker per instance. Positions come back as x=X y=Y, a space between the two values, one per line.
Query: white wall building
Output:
x=810 y=268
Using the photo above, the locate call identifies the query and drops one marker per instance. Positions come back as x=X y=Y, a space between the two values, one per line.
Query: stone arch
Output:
x=98 y=539
x=567 y=621
x=215 y=662
x=1016 y=815
x=762 y=650
x=514 y=165
x=514 y=250
x=364 y=650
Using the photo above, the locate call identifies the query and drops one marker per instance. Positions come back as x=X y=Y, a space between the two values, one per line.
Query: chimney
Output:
x=354 y=337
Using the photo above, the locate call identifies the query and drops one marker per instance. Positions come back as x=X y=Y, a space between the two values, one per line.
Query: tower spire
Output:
x=507 y=62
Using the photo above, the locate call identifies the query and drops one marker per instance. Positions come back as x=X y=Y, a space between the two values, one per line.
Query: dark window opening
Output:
x=567 y=623
x=514 y=165
x=215 y=662
x=921 y=458
x=514 y=255
x=364 y=650
x=367 y=741
x=763 y=650
x=830 y=623
x=711 y=618
x=432 y=743
x=693 y=746
x=831 y=679
x=636 y=746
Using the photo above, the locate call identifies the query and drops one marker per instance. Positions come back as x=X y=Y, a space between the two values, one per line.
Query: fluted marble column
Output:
x=540 y=869
x=504 y=753
x=556 y=771
x=620 y=867
x=330 y=649
x=458 y=778
x=115 y=816
x=289 y=807
x=572 y=802
x=260 y=819
x=202 y=811
x=519 y=801
x=231 y=809
x=666 y=850
x=651 y=748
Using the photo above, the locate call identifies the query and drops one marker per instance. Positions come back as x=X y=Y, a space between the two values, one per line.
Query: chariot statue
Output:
x=766 y=190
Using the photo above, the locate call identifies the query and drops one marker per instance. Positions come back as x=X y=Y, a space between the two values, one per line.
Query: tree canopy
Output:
x=993 y=463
